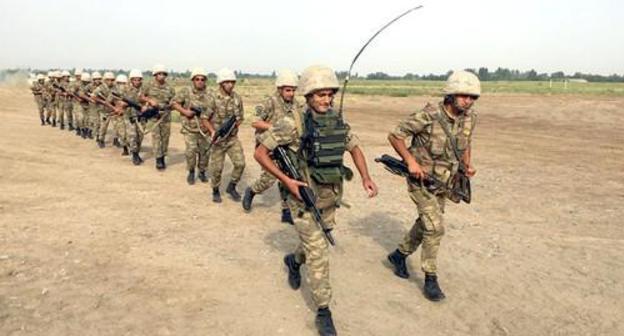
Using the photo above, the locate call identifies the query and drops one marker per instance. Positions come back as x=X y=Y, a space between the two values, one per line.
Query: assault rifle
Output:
x=68 y=93
x=398 y=167
x=307 y=195
x=225 y=130
x=143 y=116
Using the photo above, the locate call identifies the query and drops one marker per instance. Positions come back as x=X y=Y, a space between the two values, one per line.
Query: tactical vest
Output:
x=323 y=145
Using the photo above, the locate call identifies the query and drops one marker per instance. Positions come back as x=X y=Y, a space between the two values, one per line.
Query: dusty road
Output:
x=92 y=245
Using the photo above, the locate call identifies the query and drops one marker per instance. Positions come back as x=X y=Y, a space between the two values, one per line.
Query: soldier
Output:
x=94 y=107
x=74 y=88
x=65 y=102
x=323 y=171
x=51 y=98
x=192 y=104
x=434 y=130
x=37 y=89
x=224 y=104
x=121 y=81
x=159 y=93
x=58 y=99
x=85 y=104
x=281 y=103
x=134 y=127
x=103 y=96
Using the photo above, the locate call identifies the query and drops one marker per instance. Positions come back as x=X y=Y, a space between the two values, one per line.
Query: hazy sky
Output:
x=261 y=36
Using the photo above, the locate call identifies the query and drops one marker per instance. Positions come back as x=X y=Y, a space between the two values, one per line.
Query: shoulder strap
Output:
x=438 y=116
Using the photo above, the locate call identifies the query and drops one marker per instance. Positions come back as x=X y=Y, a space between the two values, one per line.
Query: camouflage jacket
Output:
x=161 y=93
x=190 y=97
x=37 y=88
x=274 y=108
x=104 y=92
x=132 y=93
x=430 y=145
x=222 y=106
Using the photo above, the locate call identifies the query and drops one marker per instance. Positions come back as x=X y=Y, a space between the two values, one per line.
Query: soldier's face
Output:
x=136 y=81
x=199 y=82
x=109 y=82
x=97 y=81
x=160 y=77
x=464 y=102
x=321 y=100
x=287 y=93
x=228 y=86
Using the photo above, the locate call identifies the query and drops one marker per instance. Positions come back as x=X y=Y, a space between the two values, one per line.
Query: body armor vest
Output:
x=323 y=146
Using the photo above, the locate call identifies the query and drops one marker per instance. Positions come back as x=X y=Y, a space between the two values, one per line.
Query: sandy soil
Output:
x=92 y=245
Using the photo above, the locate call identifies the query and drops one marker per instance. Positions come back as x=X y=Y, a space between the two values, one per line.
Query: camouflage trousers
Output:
x=264 y=182
x=234 y=150
x=105 y=119
x=120 y=130
x=197 y=150
x=427 y=230
x=40 y=106
x=78 y=115
x=51 y=109
x=94 y=120
x=160 y=135
x=313 y=249
x=134 y=135
x=65 y=111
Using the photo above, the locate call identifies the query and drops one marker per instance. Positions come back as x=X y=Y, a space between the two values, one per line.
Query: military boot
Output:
x=62 y=126
x=248 y=198
x=190 y=178
x=53 y=122
x=324 y=322
x=70 y=127
x=136 y=159
x=84 y=133
x=48 y=120
x=231 y=189
x=101 y=144
x=432 y=290
x=294 y=277
x=287 y=216
x=125 y=151
x=397 y=259
x=160 y=163
x=42 y=122
x=202 y=176
x=116 y=143
x=216 y=195
x=90 y=134
x=78 y=131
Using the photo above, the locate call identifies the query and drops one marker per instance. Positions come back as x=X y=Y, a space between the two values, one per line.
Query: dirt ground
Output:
x=92 y=245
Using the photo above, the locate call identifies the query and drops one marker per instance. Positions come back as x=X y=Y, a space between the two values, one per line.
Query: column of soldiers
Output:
x=313 y=136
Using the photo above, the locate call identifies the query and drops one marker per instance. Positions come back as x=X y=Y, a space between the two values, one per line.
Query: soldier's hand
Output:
x=370 y=187
x=470 y=170
x=293 y=186
x=416 y=170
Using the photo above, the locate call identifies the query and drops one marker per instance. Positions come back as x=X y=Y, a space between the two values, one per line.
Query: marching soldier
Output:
x=323 y=171
x=192 y=104
x=223 y=105
x=281 y=103
x=158 y=94
x=441 y=137
x=103 y=96
x=134 y=126
x=37 y=89
x=121 y=81
x=94 y=110
x=74 y=88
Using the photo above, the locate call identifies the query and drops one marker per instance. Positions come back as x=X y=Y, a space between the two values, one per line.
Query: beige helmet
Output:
x=317 y=77
x=135 y=73
x=158 y=68
x=65 y=73
x=96 y=75
x=225 y=75
x=286 y=77
x=85 y=77
x=40 y=77
x=462 y=82
x=109 y=75
x=55 y=74
x=50 y=74
x=121 y=78
x=199 y=72
x=78 y=72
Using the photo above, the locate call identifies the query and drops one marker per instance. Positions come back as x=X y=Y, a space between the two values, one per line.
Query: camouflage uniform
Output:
x=37 y=89
x=65 y=104
x=94 y=110
x=197 y=151
x=222 y=106
x=77 y=111
x=49 y=98
x=432 y=150
x=134 y=135
x=313 y=248
x=161 y=133
x=104 y=91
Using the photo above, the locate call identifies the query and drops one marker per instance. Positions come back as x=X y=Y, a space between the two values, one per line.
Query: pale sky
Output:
x=262 y=36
